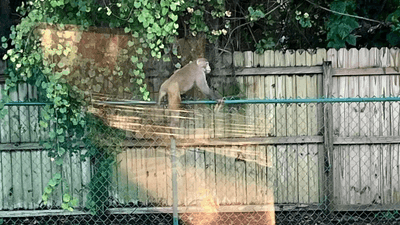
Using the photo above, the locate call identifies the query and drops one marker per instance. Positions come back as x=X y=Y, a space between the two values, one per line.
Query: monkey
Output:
x=183 y=80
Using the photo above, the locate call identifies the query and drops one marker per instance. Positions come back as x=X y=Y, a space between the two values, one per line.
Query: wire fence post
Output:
x=328 y=138
x=174 y=182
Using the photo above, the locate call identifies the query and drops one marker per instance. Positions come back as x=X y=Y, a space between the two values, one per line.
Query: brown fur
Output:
x=184 y=79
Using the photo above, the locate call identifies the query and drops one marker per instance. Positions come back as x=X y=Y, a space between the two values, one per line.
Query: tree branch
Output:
x=345 y=14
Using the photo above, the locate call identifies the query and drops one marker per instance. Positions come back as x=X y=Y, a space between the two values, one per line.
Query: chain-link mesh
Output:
x=284 y=163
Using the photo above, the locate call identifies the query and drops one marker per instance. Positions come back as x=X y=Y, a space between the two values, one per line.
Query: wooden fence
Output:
x=283 y=143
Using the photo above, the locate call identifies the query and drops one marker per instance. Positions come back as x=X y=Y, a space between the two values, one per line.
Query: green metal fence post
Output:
x=174 y=182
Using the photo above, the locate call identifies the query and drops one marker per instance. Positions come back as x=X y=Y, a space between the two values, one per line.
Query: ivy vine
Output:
x=152 y=27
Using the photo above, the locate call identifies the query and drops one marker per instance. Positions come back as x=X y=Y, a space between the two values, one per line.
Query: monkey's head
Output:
x=203 y=63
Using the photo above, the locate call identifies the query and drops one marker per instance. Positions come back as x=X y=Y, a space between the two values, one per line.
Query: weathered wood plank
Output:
x=313 y=173
x=46 y=169
x=282 y=174
x=27 y=179
x=387 y=177
x=375 y=174
x=14 y=119
x=392 y=57
x=303 y=174
x=384 y=58
x=230 y=168
x=354 y=130
x=1 y=182
x=131 y=174
x=395 y=184
x=271 y=172
x=300 y=56
x=250 y=109
x=257 y=59
x=119 y=173
x=151 y=176
x=238 y=59
x=200 y=176
x=190 y=176
x=268 y=59
x=327 y=175
x=261 y=175
x=251 y=174
x=248 y=59
x=34 y=115
x=5 y=131
x=221 y=175
x=181 y=177
x=332 y=55
x=210 y=173
x=270 y=109
x=17 y=181
x=259 y=119
x=162 y=173
x=279 y=57
x=365 y=170
x=142 y=174
x=240 y=169
x=7 y=180
x=374 y=57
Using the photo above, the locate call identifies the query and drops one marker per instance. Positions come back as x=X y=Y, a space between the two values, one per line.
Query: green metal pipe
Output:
x=267 y=101
x=27 y=103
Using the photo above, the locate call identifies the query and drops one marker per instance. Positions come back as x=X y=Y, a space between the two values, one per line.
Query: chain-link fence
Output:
x=310 y=161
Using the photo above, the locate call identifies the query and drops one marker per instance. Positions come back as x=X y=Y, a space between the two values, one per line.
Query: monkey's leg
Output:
x=174 y=100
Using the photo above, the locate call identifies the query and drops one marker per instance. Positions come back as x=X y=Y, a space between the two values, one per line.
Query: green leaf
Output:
x=173 y=7
x=164 y=11
x=47 y=145
x=127 y=29
x=174 y=17
x=61 y=151
x=59 y=161
x=393 y=38
x=60 y=130
x=48 y=190
x=45 y=197
x=65 y=206
x=66 y=198
x=61 y=139
x=52 y=134
x=43 y=124
x=162 y=21
x=134 y=59
x=351 y=39
x=57 y=176
x=137 y=4
x=74 y=202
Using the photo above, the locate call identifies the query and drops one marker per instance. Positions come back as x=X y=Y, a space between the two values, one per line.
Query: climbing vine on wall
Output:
x=44 y=52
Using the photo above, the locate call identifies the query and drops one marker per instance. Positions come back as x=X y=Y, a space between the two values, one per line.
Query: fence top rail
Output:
x=264 y=101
